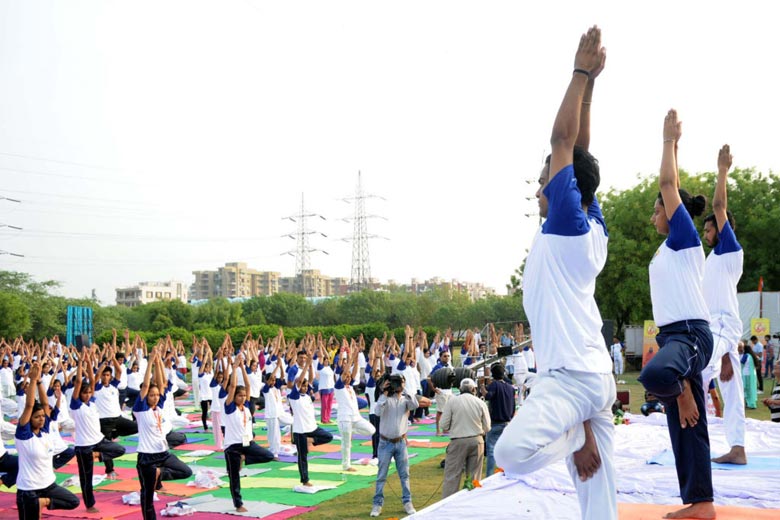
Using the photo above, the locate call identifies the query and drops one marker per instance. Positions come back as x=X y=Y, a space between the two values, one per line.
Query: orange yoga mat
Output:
x=656 y=512
x=169 y=488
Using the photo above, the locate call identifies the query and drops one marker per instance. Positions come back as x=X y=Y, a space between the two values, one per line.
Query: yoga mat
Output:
x=655 y=511
x=128 y=457
x=109 y=505
x=280 y=482
x=326 y=448
x=245 y=472
x=365 y=471
x=124 y=473
x=169 y=488
x=411 y=443
x=282 y=515
x=666 y=458
x=356 y=455
x=193 y=447
x=255 y=509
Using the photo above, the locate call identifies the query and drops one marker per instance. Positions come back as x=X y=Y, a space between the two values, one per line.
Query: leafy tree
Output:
x=14 y=316
x=218 y=313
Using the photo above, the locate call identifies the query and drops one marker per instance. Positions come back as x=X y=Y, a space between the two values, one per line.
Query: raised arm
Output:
x=720 y=200
x=583 y=138
x=231 y=389
x=35 y=375
x=589 y=57
x=148 y=376
x=668 y=180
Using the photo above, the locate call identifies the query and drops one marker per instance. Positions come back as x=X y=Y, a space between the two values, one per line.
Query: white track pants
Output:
x=274 y=424
x=346 y=428
x=732 y=390
x=549 y=427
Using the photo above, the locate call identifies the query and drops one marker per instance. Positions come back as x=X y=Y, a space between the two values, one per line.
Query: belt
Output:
x=393 y=441
x=467 y=437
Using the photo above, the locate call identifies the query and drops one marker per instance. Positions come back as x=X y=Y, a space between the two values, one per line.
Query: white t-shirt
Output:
x=218 y=396
x=151 y=426
x=518 y=362
x=362 y=366
x=567 y=254
x=722 y=271
x=87 y=420
x=303 y=412
x=107 y=399
x=134 y=380
x=204 y=380
x=255 y=382
x=36 y=470
x=347 y=402
x=677 y=274
x=617 y=350
x=273 y=400
x=238 y=425
x=327 y=380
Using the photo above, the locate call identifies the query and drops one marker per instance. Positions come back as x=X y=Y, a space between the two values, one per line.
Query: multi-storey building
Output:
x=146 y=292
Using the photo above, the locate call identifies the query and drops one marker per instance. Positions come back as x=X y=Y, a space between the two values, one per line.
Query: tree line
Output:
x=32 y=309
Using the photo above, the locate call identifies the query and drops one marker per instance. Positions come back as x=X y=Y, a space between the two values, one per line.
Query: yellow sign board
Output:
x=649 y=345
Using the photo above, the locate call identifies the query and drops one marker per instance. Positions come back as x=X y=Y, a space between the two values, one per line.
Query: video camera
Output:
x=395 y=384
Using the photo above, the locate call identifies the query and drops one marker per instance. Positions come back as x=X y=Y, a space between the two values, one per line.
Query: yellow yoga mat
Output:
x=365 y=471
x=283 y=483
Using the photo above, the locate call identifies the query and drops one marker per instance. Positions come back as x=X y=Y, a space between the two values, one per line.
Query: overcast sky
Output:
x=150 y=139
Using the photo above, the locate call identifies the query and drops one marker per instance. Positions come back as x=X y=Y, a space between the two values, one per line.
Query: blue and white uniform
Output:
x=153 y=454
x=36 y=477
x=685 y=349
x=722 y=271
x=575 y=370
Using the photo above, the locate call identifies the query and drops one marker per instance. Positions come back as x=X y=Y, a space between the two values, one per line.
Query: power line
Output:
x=60 y=161
x=66 y=176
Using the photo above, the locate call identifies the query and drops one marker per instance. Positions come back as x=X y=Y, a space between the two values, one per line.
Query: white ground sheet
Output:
x=549 y=493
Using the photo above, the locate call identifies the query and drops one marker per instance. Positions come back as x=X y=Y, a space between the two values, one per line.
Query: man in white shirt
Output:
x=574 y=369
x=616 y=350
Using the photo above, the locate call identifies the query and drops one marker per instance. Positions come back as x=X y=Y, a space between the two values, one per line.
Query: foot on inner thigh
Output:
x=735 y=456
x=587 y=459
x=699 y=510
x=43 y=503
x=726 y=369
x=689 y=413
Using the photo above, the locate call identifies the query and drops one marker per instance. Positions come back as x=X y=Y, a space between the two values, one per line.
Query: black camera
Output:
x=395 y=384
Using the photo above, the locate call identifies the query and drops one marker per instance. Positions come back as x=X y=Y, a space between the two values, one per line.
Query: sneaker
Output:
x=376 y=511
x=374 y=461
x=409 y=508
x=285 y=430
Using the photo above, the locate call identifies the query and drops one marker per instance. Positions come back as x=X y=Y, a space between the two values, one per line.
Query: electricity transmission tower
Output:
x=302 y=250
x=361 y=264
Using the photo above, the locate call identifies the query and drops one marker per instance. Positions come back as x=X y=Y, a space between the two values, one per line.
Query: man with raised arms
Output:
x=574 y=367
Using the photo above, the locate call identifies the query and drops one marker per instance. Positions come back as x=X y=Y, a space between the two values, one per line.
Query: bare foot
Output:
x=241 y=509
x=587 y=459
x=351 y=469
x=308 y=484
x=735 y=456
x=689 y=413
x=95 y=456
x=43 y=503
x=726 y=369
x=112 y=475
x=92 y=509
x=699 y=510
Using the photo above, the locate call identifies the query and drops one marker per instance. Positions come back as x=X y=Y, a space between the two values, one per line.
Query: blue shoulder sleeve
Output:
x=230 y=408
x=564 y=206
x=294 y=394
x=682 y=232
x=727 y=241
x=24 y=432
x=339 y=384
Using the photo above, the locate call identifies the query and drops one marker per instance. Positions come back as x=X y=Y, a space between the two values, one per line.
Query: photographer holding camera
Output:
x=393 y=408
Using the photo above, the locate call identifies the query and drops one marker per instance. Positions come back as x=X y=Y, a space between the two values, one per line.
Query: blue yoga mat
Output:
x=666 y=458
